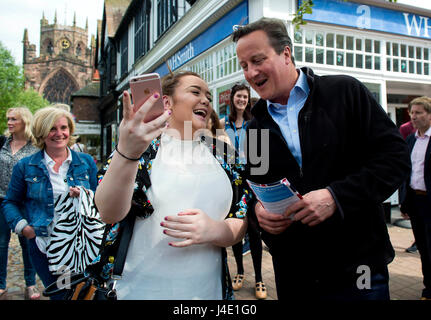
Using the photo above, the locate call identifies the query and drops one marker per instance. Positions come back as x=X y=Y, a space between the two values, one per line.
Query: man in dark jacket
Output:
x=334 y=143
x=417 y=202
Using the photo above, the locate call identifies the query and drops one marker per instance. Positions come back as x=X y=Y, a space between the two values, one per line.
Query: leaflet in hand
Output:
x=275 y=197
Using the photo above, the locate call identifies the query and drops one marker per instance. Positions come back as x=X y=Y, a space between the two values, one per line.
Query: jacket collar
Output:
x=36 y=158
x=260 y=109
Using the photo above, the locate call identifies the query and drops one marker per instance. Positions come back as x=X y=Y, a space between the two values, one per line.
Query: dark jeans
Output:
x=29 y=271
x=40 y=262
x=294 y=285
x=420 y=218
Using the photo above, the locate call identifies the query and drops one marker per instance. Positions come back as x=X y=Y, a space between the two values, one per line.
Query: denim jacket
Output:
x=29 y=198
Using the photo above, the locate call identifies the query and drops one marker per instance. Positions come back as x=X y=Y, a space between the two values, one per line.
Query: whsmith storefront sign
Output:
x=207 y=39
x=362 y=16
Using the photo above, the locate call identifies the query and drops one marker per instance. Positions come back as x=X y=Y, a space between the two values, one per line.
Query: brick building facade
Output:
x=65 y=63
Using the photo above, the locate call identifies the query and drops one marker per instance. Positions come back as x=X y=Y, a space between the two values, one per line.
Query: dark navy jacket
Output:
x=350 y=145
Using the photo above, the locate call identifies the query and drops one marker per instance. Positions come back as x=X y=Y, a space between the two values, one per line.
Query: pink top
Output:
x=406 y=129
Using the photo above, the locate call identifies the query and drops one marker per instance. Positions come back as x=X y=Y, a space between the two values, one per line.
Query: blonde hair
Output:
x=44 y=120
x=26 y=117
x=61 y=106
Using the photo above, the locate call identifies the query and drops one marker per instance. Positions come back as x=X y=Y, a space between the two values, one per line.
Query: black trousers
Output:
x=420 y=217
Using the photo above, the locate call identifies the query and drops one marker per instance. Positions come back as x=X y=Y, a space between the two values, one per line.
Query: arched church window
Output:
x=50 y=48
x=78 y=50
x=60 y=87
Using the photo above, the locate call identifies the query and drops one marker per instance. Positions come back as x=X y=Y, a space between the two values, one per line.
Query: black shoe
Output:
x=412 y=249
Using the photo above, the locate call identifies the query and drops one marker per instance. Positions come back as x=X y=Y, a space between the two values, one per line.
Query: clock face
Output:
x=65 y=43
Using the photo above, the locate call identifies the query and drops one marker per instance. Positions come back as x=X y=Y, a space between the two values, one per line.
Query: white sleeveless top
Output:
x=184 y=175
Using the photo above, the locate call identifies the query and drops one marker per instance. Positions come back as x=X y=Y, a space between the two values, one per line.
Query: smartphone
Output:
x=142 y=88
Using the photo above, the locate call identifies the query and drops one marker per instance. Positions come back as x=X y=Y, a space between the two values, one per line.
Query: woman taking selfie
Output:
x=177 y=248
x=38 y=180
x=18 y=144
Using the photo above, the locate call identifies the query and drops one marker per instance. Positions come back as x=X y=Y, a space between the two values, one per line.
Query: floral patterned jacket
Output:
x=142 y=207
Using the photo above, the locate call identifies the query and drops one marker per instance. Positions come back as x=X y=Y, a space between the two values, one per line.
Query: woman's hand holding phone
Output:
x=135 y=134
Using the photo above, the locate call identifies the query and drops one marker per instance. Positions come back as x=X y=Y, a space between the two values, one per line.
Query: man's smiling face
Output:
x=264 y=69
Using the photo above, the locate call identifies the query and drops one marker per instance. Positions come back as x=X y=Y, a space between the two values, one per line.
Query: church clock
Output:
x=64 y=43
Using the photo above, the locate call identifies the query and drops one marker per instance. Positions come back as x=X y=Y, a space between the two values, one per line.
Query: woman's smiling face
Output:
x=58 y=136
x=191 y=102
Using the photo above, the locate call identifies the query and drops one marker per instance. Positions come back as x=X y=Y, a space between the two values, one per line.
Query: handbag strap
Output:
x=123 y=247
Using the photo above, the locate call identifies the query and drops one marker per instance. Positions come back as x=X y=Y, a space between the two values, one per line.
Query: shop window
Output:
x=124 y=52
x=309 y=54
x=169 y=12
x=319 y=39
x=349 y=60
x=340 y=41
x=319 y=56
x=377 y=46
x=298 y=36
x=411 y=52
x=330 y=40
x=309 y=37
x=330 y=57
x=349 y=43
x=340 y=58
x=358 y=44
x=368 y=45
x=298 y=54
x=359 y=61
x=413 y=59
x=404 y=66
x=403 y=50
x=395 y=49
x=142 y=29
x=377 y=63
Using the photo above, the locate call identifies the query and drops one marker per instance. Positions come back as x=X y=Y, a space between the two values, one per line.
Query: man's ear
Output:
x=287 y=53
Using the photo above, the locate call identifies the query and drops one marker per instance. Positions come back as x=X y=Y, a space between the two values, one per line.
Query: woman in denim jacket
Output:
x=39 y=179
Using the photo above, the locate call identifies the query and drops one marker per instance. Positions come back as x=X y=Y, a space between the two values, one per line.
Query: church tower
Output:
x=65 y=62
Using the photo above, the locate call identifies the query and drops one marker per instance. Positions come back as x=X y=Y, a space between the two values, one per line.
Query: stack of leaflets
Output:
x=275 y=197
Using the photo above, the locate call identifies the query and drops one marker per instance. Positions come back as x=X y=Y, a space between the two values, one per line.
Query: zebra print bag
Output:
x=76 y=235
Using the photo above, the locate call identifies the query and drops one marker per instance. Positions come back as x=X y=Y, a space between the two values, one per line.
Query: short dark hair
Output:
x=275 y=29
x=232 y=110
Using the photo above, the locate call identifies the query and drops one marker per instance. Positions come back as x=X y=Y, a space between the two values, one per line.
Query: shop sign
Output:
x=361 y=16
x=224 y=97
x=86 y=128
x=207 y=39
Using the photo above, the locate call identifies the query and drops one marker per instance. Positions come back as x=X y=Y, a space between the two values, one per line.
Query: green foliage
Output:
x=12 y=93
x=306 y=7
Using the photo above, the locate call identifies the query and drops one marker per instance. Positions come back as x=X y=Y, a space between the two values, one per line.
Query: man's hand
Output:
x=271 y=222
x=315 y=207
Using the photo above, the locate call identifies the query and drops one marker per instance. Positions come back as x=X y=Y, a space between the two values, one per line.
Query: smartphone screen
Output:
x=142 y=87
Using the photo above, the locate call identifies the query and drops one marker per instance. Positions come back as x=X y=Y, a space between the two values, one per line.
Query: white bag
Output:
x=76 y=235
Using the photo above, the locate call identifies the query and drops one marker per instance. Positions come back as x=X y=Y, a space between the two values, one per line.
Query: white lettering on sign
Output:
x=364 y=21
x=413 y=25
x=180 y=58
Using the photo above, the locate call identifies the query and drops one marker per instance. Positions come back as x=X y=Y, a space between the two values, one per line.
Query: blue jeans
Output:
x=40 y=262
x=29 y=271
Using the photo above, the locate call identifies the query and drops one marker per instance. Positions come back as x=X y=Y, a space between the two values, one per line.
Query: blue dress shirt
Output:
x=286 y=116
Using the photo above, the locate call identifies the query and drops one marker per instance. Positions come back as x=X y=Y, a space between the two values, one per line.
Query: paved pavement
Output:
x=405 y=270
